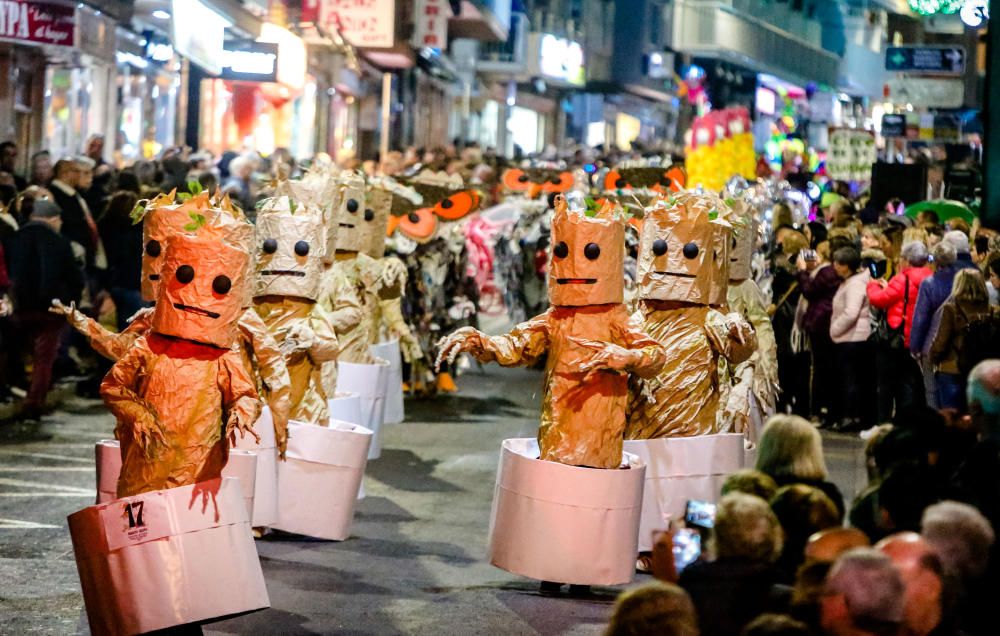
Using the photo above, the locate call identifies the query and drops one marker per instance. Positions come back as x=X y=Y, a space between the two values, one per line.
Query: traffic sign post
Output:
x=930 y=60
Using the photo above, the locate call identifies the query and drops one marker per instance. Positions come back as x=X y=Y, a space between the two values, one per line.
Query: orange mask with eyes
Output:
x=163 y=219
x=678 y=252
x=588 y=255
x=201 y=290
x=290 y=246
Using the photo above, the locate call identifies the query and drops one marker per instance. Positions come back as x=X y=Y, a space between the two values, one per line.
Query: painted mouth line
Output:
x=154 y=277
x=576 y=281
x=346 y=225
x=677 y=274
x=196 y=310
x=282 y=272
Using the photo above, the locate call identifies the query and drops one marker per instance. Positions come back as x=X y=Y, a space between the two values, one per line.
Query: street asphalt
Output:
x=415 y=563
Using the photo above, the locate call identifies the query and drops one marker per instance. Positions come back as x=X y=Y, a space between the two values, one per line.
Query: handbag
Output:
x=882 y=332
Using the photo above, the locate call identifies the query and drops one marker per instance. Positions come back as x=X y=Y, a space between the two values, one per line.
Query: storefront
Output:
x=56 y=76
x=149 y=89
x=263 y=99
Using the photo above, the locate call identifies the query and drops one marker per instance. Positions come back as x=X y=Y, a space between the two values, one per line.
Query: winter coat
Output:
x=850 y=321
x=950 y=336
x=42 y=267
x=934 y=290
x=893 y=296
x=818 y=291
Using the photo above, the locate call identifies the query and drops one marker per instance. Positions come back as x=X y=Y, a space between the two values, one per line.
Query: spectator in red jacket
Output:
x=899 y=379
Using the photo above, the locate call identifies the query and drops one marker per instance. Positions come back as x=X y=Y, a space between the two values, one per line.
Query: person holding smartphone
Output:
x=819 y=282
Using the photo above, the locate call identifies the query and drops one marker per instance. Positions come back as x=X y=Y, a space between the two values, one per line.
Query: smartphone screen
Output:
x=687 y=547
x=700 y=513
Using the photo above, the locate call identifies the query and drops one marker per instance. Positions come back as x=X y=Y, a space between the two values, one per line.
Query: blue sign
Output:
x=931 y=60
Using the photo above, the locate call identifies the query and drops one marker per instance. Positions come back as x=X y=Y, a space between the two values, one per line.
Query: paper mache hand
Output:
x=607 y=356
x=463 y=339
x=234 y=424
x=70 y=312
x=297 y=343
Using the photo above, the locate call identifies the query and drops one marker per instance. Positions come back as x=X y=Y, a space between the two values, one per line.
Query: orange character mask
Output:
x=677 y=252
x=290 y=246
x=163 y=218
x=588 y=256
x=201 y=290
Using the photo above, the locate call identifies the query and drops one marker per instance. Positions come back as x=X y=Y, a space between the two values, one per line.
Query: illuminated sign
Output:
x=292 y=58
x=36 y=22
x=250 y=62
x=975 y=12
x=364 y=23
x=561 y=59
x=198 y=33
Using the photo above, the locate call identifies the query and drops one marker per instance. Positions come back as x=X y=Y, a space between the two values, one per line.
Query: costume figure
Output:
x=182 y=392
x=291 y=243
x=350 y=285
x=681 y=245
x=755 y=379
x=161 y=219
x=590 y=341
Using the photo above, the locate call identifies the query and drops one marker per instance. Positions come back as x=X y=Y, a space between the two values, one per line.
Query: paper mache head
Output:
x=319 y=191
x=165 y=216
x=742 y=243
x=202 y=289
x=364 y=220
x=350 y=202
x=290 y=247
x=588 y=256
x=681 y=250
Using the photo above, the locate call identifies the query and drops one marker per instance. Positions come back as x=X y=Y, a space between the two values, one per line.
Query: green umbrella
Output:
x=946 y=209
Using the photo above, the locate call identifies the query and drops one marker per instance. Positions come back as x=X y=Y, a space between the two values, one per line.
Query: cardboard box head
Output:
x=743 y=241
x=361 y=224
x=588 y=256
x=201 y=295
x=289 y=250
x=678 y=251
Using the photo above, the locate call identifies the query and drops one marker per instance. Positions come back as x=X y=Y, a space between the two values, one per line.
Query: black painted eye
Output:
x=659 y=247
x=691 y=250
x=666 y=181
x=734 y=243
x=153 y=248
x=447 y=204
x=621 y=183
x=523 y=178
x=561 y=250
x=555 y=180
x=270 y=246
x=369 y=214
x=302 y=248
x=221 y=285
x=184 y=274
x=352 y=206
x=412 y=217
x=592 y=251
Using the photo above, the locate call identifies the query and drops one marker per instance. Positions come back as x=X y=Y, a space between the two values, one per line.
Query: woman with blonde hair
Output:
x=791 y=452
x=969 y=301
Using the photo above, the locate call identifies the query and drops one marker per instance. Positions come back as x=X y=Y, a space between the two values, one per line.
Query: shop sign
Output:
x=363 y=23
x=561 y=59
x=292 y=57
x=893 y=125
x=36 y=22
x=430 y=24
x=199 y=33
x=936 y=60
x=250 y=62
x=925 y=92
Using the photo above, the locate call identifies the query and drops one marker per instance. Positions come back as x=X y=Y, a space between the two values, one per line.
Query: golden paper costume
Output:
x=291 y=245
x=680 y=251
x=591 y=346
x=182 y=393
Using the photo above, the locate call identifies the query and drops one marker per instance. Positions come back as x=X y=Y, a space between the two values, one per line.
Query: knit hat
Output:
x=45 y=209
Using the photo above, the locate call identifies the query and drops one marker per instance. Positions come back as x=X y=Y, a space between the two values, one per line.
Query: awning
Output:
x=478 y=23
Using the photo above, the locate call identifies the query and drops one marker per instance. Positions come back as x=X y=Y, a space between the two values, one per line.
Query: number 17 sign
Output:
x=135 y=520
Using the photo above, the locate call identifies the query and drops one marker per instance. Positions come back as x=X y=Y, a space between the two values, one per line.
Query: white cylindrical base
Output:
x=567 y=524
x=389 y=351
x=242 y=465
x=318 y=483
x=108 y=459
x=679 y=469
x=346 y=407
x=167 y=558
x=265 y=495
x=369 y=382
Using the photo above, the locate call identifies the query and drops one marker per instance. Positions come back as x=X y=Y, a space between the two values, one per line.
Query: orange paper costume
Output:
x=162 y=219
x=291 y=244
x=681 y=247
x=591 y=344
x=182 y=393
